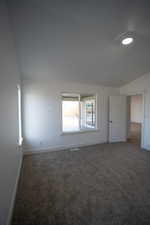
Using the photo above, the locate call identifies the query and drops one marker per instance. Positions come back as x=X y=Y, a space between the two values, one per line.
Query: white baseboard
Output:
x=14 y=193
x=56 y=148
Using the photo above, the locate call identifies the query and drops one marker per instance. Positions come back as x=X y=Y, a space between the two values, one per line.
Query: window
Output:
x=19 y=117
x=78 y=112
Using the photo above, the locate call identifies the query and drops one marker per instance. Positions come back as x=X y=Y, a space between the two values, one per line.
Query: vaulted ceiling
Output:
x=79 y=40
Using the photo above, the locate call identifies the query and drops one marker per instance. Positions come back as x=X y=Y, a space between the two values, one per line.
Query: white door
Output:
x=117 y=119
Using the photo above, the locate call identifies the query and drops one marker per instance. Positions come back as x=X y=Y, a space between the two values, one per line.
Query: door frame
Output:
x=143 y=113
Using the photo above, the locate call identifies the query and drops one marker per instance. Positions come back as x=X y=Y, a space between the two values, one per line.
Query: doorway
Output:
x=135 y=119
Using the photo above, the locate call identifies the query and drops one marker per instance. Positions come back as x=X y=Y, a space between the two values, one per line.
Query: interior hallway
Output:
x=135 y=133
x=104 y=184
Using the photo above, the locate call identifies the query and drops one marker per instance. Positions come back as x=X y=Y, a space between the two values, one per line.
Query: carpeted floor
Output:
x=106 y=184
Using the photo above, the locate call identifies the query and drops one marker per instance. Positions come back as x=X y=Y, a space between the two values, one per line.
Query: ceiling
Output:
x=78 y=40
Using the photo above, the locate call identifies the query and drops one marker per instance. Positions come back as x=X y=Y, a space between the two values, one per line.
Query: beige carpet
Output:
x=106 y=184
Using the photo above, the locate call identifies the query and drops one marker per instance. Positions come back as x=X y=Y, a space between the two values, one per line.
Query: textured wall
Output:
x=42 y=126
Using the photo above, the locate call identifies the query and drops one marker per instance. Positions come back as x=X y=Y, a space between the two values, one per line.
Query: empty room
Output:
x=74 y=112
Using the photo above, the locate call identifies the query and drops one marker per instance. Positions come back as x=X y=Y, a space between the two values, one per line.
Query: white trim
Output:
x=10 y=214
x=20 y=139
x=20 y=142
x=57 y=148
x=80 y=131
x=79 y=113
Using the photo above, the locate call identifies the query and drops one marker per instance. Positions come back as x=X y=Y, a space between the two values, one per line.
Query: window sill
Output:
x=79 y=131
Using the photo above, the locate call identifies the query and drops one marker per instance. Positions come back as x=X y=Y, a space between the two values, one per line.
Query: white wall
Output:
x=10 y=157
x=42 y=115
x=137 y=87
x=136 y=109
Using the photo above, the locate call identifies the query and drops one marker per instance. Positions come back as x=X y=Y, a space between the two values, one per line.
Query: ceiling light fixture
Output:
x=127 y=41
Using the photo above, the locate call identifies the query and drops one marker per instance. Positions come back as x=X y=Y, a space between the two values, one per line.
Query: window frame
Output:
x=19 y=97
x=80 y=130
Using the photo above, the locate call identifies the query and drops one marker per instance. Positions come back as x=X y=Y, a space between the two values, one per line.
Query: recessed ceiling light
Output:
x=127 y=41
